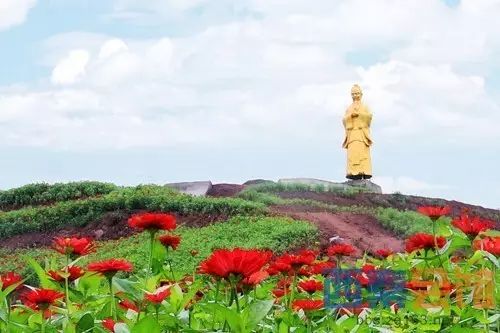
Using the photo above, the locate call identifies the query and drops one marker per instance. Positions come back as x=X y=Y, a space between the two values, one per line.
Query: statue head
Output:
x=356 y=92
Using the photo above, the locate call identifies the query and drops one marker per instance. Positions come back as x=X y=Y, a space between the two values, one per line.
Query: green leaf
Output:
x=460 y=329
x=256 y=312
x=443 y=230
x=494 y=318
x=176 y=297
x=429 y=327
x=147 y=324
x=45 y=282
x=69 y=328
x=86 y=323
x=478 y=255
x=159 y=255
x=492 y=258
x=127 y=286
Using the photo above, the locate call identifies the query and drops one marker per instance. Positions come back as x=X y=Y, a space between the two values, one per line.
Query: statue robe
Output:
x=358 y=140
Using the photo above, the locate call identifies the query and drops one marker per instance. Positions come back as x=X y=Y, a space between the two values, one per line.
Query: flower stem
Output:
x=236 y=299
x=112 y=298
x=66 y=286
x=151 y=244
x=170 y=266
x=435 y=243
x=293 y=289
x=42 y=328
x=309 y=325
x=7 y=302
x=217 y=287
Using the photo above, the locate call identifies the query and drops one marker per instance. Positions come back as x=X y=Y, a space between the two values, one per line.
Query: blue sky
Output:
x=132 y=91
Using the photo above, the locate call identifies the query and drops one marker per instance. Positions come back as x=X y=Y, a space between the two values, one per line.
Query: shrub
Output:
x=153 y=198
x=43 y=193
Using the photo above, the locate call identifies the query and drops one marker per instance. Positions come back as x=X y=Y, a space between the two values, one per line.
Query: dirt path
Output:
x=362 y=231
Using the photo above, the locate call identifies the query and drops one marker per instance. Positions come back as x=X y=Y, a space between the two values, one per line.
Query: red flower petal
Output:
x=152 y=221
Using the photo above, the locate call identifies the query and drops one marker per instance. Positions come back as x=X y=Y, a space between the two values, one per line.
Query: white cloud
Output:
x=111 y=47
x=14 y=12
x=70 y=69
x=284 y=74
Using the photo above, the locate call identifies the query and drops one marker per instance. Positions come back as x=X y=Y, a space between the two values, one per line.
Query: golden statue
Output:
x=357 y=141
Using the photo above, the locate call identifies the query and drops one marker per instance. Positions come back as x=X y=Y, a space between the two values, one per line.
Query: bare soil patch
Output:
x=225 y=190
x=112 y=225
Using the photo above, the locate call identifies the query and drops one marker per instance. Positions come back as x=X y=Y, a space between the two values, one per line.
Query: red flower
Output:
x=158 y=296
x=279 y=292
x=423 y=241
x=73 y=246
x=279 y=267
x=472 y=226
x=340 y=250
x=111 y=267
x=311 y=286
x=9 y=279
x=152 y=221
x=172 y=241
x=128 y=305
x=41 y=299
x=75 y=272
x=434 y=212
x=292 y=262
x=322 y=268
x=384 y=253
x=239 y=262
x=368 y=268
x=255 y=278
x=307 y=304
x=488 y=244
x=109 y=324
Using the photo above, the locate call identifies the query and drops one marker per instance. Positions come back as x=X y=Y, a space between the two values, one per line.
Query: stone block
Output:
x=198 y=188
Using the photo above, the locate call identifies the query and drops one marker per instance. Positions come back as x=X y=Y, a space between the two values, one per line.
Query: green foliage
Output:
x=43 y=193
x=300 y=187
x=399 y=197
x=272 y=199
x=277 y=234
x=404 y=223
x=144 y=197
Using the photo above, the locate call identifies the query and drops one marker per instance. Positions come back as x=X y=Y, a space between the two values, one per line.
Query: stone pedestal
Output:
x=366 y=184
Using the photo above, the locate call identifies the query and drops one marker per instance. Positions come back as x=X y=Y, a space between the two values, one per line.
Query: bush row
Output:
x=43 y=193
x=272 y=187
x=152 y=198
x=403 y=223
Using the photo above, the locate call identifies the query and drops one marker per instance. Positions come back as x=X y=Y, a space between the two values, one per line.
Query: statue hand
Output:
x=355 y=114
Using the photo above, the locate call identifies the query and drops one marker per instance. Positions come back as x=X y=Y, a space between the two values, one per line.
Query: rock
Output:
x=98 y=233
x=198 y=188
x=366 y=184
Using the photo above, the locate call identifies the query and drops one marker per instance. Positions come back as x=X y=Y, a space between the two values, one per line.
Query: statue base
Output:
x=365 y=184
